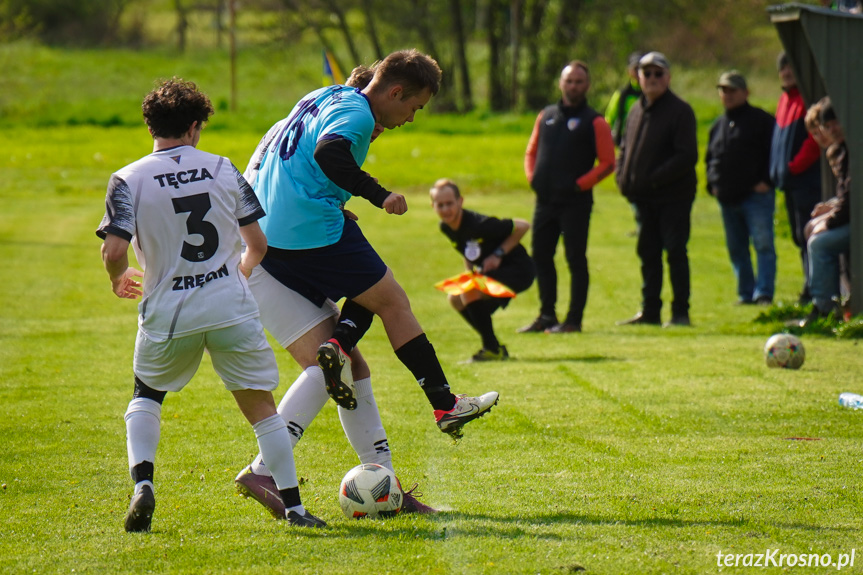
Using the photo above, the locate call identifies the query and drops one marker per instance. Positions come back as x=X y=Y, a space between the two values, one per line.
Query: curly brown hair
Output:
x=360 y=76
x=171 y=108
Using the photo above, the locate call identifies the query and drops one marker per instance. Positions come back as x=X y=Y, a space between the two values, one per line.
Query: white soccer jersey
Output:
x=182 y=209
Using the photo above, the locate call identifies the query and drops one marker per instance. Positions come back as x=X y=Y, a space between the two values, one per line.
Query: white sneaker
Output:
x=465 y=409
x=336 y=365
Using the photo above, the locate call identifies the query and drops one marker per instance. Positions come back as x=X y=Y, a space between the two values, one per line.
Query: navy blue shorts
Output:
x=344 y=269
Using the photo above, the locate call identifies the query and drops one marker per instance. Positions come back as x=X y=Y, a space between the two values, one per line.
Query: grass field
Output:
x=618 y=450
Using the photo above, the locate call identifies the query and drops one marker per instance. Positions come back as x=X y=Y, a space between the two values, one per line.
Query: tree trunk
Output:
x=182 y=25
x=461 y=55
x=218 y=18
x=444 y=100
x=564 y=39
x=536 y=87
x=232 y=26
x=497 y=94
x=515 y=18
x=369 y=10
x=318 y=30
x=336 y=9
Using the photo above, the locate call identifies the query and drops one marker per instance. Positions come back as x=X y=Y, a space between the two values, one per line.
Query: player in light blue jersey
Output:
x=312 y=215
x=309 y=167
x=300 y=326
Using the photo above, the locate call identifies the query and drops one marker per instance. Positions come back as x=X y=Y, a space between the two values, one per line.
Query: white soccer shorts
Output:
x=240 y=354
x=284 y=313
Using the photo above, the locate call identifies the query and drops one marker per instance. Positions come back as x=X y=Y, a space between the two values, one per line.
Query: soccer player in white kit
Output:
x=187 y=213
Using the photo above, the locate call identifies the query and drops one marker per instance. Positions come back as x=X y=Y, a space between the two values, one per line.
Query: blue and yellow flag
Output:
x=332 y=74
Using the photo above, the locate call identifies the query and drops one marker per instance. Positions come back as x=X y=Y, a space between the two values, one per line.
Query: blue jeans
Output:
x=824 y=251
x=799 y=204
x=752 y=219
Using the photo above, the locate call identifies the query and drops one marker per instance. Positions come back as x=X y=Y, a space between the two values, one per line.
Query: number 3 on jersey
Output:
x=197 y=206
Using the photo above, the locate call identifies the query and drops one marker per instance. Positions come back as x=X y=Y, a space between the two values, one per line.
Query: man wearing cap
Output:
x=623 y=99
x=619 y=106
x=794 y=163
x=738 y=175
x=656 y=172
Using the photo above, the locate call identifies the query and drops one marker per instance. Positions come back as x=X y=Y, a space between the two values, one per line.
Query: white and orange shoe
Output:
x=465 y=410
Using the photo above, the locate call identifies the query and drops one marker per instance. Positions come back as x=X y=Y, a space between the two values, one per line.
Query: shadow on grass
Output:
x=561 y=358
x=479 y=525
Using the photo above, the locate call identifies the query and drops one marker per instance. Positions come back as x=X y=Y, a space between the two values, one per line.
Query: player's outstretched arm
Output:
x=116 y=260
x=337 y=163
x=395 y=204
x=256 y=247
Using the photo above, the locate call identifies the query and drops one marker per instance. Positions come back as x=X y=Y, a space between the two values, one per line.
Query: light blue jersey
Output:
x=304 y=208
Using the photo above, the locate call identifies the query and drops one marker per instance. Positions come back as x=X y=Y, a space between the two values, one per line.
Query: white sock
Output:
x=298 y=408
x=143 y=417
x=140 y=485
x=364 y=429
x=275 y=444
x=300 y=509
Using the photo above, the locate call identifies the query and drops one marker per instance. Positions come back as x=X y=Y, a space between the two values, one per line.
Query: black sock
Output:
x=464 y=313
x=142 y=472
x=419 y=357
x=480 y=317
x=290 y=496
x=354 y=322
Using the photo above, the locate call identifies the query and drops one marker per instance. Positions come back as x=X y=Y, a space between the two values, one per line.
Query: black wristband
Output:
x=499 y=252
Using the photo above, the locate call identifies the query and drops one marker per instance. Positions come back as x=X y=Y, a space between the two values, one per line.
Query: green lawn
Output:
x=618 y=450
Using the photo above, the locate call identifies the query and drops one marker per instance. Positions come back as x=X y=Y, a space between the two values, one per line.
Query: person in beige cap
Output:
x=656 y=172
x=738 y=175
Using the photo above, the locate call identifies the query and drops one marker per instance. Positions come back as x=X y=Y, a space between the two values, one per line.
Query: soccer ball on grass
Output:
x=784 y=350
x=370 y=490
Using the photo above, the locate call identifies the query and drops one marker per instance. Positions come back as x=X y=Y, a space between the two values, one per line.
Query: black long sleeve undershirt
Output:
x=335 y=159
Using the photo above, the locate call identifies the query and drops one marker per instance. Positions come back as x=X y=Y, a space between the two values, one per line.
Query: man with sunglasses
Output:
x=656 y=172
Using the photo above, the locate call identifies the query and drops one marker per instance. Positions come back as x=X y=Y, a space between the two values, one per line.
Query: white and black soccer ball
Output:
x=370 y=490
x=784 y=350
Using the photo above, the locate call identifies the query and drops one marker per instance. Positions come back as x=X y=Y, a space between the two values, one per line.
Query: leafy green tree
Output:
x=64 y=21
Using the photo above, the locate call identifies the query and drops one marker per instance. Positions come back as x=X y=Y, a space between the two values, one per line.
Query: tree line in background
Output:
x=518 y=45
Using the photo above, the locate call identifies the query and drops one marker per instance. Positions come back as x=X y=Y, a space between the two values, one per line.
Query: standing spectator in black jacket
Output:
x=656 y=172
x=569 y=152
x=738 y=175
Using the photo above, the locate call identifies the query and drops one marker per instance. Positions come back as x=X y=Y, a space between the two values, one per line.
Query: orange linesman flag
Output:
x=467 y=281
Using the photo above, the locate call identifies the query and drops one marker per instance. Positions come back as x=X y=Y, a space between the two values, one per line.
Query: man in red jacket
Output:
x=567 y=140
x=794 y=162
